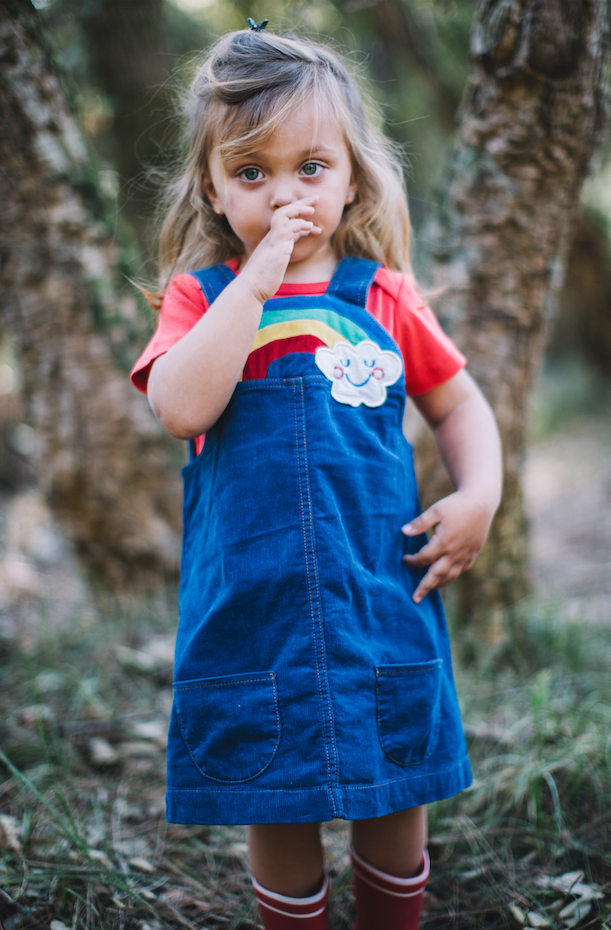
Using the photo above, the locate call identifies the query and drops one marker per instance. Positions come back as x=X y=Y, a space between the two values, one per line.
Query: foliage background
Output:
x=85 y=671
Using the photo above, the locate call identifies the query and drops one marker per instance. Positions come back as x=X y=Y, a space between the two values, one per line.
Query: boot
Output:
x=384 y=902
x=279 y=912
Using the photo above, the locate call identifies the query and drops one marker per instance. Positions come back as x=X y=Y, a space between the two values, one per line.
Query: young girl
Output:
x=313 y=673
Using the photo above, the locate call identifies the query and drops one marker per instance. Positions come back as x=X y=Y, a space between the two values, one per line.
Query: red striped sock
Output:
x=279 y=912
x=385 y=902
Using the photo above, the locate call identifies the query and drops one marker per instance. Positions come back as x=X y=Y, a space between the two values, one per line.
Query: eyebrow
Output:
x=306 y=153
x=310 y=152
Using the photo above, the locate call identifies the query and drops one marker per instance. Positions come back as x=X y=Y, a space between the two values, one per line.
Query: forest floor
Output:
x=85 y=694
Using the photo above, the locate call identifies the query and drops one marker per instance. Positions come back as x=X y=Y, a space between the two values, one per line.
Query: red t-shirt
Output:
x=429 y=356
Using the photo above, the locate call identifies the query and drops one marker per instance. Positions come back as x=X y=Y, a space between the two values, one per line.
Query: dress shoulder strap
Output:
x=352 y=279
x=213 y=280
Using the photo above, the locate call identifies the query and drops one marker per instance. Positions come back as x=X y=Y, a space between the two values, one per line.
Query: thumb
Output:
x=426 y=521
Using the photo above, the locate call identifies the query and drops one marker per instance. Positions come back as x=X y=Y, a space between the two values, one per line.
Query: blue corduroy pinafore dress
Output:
x=308 y=685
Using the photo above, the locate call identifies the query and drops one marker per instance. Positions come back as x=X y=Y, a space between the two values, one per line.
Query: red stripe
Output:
x=259 y=361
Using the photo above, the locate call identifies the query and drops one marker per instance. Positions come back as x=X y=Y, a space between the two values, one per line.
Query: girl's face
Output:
x=305 y=156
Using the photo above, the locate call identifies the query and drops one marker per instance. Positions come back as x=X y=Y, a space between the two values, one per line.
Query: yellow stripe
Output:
x=297 y=328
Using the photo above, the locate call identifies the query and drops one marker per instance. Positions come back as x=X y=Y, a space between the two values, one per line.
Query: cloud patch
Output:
x=359 y=374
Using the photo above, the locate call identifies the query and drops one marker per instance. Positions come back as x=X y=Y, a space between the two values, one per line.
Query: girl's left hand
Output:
x=461 y=523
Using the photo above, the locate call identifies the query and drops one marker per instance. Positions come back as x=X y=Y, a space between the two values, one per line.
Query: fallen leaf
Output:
x=560 y=882
x=518 y=914
x=538 y=920
x=10 y=830
x=571 y=882
x=142 y=864
x=155 y=730
x=99 y=856
x=137 y=748
x=137 y=660
x=574 y=913
x=101 y=753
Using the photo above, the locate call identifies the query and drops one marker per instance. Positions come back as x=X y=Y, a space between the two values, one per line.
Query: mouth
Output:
x=359 y=383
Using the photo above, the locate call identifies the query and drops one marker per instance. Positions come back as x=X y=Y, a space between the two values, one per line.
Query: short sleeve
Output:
x=430 y=357
x=183 y=306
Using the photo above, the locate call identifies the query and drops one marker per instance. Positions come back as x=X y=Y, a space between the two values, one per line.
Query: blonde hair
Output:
x=244 y=88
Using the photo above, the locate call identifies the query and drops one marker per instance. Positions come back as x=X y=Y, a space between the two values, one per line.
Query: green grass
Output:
x=539 y=732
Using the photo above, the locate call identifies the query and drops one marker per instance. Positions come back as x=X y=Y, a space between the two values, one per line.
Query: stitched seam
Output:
x=221 y=684
x=342 y=787
x=434 y=735
x=383 y=672
x=278 y=383
x=364 y=285
x=305 y=547
x=234 y=781
x=208 y=278
x=320 y=625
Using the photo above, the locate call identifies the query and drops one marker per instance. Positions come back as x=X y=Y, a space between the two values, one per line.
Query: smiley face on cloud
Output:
x=359 y=374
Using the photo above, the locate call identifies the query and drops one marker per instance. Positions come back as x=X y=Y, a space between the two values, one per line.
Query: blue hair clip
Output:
x=260 y=27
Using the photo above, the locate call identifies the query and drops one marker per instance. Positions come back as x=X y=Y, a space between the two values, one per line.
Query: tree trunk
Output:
x=101 y=457
x=531 y=122
x=129 y=51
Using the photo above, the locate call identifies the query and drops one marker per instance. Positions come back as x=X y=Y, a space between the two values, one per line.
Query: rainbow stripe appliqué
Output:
x=283 y=332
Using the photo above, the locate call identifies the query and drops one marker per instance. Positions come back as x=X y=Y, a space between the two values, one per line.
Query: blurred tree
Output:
x=100 y=457
x=533 y=118
x=584 y=318
x=122 y=58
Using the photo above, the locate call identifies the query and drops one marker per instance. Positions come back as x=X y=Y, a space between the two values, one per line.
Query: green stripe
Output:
x=353 y=333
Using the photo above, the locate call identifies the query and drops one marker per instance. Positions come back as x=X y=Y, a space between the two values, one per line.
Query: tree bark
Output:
x=101 y=457
x=129 y=51
x=531 y=122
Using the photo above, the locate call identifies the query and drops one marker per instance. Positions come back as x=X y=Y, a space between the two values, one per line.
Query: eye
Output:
x=345 y=364
x=251 y=174
x=312 y=169
x=369 y=364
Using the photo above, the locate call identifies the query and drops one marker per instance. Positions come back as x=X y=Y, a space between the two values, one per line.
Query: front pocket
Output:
x=408 y=702
x=230 y=724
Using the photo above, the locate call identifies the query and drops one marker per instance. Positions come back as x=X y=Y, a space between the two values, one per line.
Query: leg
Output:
x=286 y=857
x=286 y=865
x=390 y=869
x=394 y=843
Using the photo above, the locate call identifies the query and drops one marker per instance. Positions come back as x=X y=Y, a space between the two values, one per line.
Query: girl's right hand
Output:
x=264 y=271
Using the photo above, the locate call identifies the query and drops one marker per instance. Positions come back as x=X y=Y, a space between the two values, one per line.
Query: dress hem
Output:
x=312 y=805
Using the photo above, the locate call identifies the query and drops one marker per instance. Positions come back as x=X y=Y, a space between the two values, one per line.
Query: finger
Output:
x=434 y=578
x=298 y=207
x=426 y=521
x=425 y=556
x=312 y=231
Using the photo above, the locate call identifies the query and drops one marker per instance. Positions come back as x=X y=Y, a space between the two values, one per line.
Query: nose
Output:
x=283 y=193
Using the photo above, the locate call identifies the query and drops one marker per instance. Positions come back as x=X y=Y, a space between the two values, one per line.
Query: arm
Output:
x=191 y=384
x=468 y=440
